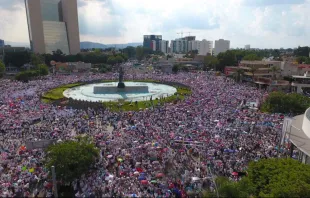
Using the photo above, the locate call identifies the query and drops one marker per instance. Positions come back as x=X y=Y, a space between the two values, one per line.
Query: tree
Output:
x=279 y=102
x=42 y=69
x=274 y=70
x=238 y=74
x=17 y=59
x=227 y=58
x=130 y=51
x=58 y=56
x=302 y=51
x=251 y=57
x=253 y=70
x=2 y=69
x=211 y=62
x=274 y=177
x=36 y=59
x=139 y=53
x=175 y=68
x=278 y=178
x=112 y=60
x=71 y=158
x=301 y=59
x=119 y=59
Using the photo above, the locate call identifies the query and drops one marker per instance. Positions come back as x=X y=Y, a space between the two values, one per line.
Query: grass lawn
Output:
x=128 y=106
x=57 y=94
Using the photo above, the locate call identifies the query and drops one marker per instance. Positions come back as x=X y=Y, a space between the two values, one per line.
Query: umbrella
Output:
x=153 y=181
x=110 y=156
x=144 y=182
x=141 y=177
x=136 y=173
x=234 y=173
x=160 y=175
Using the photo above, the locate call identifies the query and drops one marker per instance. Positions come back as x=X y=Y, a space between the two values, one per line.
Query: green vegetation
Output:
x=210 y=62
x=2 y=69
x=303 y=59
x=71 y=158
x=252 y=57
x=39 y=70
x=57 y=93
x=279 y=102
x=136 y=106
x=268 y=178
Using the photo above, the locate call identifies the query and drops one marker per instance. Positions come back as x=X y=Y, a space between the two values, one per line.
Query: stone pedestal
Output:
x=121 y=85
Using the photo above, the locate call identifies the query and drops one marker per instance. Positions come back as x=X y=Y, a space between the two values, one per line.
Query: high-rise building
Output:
x=164 y=46
x=247 y=47
x=148 y=41
x=221 y=45
x=179 y=46
x=194 y=45
x=53 y=25
x=1 y=43
x=205 y=47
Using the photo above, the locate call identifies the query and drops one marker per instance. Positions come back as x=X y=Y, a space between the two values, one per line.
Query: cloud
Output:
x=261 y=23
x=271 y=2
x=10 y=4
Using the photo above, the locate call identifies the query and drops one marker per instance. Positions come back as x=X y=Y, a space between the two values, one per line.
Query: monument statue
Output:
x=121 y=83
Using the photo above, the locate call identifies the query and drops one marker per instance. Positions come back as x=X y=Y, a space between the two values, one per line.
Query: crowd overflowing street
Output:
x=171 y=150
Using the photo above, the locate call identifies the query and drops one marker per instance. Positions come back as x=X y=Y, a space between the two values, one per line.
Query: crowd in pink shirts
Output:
x=171 y=150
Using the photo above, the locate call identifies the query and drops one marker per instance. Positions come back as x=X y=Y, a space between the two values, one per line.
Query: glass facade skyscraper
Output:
x=148 y=42
x=53 y=25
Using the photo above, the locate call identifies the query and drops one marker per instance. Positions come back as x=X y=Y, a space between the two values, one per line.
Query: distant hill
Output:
x=88 y=45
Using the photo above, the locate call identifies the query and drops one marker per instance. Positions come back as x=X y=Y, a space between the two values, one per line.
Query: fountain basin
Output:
x=133 y=91
x=126 y=89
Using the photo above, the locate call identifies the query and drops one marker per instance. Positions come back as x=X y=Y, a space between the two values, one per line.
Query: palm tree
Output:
x=238 y=74
x=274 y=70
x=253 y=70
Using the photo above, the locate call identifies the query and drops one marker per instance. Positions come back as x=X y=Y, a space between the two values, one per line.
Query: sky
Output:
x=260 y=23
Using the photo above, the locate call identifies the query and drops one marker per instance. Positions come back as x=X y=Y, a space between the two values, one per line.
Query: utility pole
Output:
x=54 y=182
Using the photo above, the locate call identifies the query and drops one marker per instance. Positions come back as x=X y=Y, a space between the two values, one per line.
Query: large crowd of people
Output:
x=171 y=150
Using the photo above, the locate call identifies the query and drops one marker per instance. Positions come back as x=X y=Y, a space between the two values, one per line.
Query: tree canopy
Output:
x=302 y=51
x=268 y=178
x=227 y=58
x=210 y=62
x=252 y=57
x=279 y=102
x=278 y=178
x=2 y=68
x=71 y=158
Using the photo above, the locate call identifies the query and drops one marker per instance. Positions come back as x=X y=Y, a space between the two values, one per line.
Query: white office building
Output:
x=221 y=45
x=194 y=45
x=205 y=47
x=247 y=47
x=164 y=46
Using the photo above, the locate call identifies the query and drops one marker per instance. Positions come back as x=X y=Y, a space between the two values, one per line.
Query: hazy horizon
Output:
x=260 y=23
